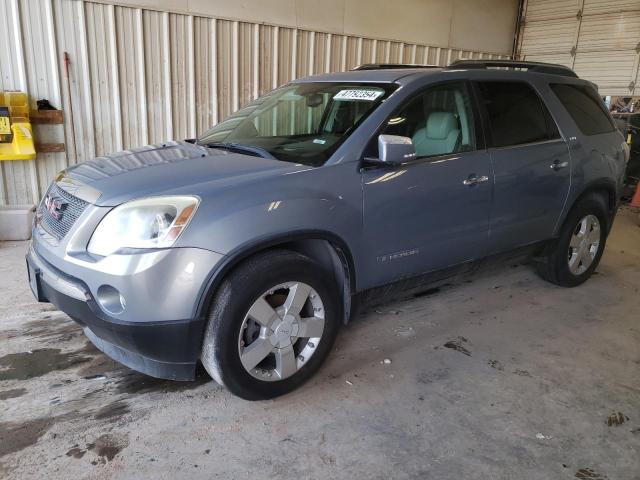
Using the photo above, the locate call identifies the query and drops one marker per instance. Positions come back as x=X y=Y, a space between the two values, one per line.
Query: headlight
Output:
x=154 y=222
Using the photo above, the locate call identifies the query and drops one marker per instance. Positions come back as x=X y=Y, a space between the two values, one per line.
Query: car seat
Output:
x=440 y=135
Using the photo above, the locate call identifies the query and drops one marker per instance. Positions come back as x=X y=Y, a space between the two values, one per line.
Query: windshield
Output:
x=302 y=123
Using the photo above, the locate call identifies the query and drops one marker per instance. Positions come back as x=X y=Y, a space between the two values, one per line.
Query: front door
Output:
x=432 y=212
x=531 y=164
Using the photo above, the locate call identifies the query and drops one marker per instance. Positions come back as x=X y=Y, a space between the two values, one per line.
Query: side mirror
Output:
x=395 y=150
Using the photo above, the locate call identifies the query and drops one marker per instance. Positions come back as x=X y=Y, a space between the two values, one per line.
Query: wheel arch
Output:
x=324 y=247
x=606 y=189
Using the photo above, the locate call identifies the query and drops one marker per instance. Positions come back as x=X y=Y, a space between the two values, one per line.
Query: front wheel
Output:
x=574 y=256
x=272 y=323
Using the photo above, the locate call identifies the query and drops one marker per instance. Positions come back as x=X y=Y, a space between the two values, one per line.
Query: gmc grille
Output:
x=72 y=208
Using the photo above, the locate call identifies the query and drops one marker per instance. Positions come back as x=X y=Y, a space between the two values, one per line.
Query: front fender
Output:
x=321 y=203
x=325 y=199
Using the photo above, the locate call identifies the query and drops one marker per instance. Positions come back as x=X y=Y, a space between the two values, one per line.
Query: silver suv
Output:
x=247 y=248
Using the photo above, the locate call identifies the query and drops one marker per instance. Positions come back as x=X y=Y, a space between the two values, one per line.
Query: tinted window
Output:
x=516 y=114
x=585 y=107
x=439 y=121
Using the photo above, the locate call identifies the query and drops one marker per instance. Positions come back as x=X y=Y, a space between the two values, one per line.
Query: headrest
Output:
x=440 y=124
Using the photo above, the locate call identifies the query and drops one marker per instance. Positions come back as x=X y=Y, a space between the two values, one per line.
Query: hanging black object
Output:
x=45 y=105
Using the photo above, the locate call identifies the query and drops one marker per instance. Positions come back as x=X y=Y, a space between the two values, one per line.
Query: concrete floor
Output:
x=541 y=383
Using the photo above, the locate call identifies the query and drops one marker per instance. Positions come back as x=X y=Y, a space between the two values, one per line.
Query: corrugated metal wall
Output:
x=140 y=76
x=599 y=39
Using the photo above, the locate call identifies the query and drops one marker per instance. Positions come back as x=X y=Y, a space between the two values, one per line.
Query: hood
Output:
x=170 y=169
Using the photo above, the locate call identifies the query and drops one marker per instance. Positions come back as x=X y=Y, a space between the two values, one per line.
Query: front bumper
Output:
x=163 y=339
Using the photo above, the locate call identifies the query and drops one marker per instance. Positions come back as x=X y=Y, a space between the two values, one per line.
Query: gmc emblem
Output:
x=54 y=206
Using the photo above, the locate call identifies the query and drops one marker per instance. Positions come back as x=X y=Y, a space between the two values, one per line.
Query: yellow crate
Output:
x=22 y=146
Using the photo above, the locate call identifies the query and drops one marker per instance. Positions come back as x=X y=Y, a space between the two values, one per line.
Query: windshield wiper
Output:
x=240 y=148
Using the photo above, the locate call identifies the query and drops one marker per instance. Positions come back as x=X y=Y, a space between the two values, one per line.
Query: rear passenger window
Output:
x=516 y=114
x=585 y=107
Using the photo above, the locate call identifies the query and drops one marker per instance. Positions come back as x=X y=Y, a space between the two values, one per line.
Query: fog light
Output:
x=111 y=300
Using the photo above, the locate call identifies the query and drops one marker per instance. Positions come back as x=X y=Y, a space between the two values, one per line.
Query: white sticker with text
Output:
x=358 y=94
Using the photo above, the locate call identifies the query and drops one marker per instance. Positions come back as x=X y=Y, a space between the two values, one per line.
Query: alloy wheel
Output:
x=281 y=331
x=584 y=244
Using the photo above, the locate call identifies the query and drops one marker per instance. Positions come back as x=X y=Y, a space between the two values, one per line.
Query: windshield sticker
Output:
x=358 y=95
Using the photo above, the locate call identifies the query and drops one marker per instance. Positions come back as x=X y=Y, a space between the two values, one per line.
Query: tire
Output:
x=562 y=263
x=235 y=337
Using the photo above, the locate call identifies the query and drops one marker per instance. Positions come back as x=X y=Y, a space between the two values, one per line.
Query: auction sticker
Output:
x=358 y=94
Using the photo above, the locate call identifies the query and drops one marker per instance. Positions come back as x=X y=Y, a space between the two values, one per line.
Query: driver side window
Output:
x=439 y=121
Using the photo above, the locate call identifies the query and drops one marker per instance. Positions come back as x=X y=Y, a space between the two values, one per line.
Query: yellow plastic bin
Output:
x=16 y=134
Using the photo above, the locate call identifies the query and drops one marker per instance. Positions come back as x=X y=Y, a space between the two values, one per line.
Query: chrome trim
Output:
x=475 y=180
x=558 y=166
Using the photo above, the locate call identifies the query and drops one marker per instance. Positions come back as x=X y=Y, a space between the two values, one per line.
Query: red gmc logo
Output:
x=54 y=206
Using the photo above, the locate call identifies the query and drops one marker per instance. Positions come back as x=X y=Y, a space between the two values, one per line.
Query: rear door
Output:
x=531 y=164
x=599 y=151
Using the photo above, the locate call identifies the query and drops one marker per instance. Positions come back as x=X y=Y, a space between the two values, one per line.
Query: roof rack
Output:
x=538 y=67
x=386 y=66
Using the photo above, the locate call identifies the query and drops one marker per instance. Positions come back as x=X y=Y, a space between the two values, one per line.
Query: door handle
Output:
x=473 y=180
x=557 y=165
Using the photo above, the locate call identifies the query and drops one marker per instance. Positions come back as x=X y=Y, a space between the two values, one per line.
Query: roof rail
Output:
x=538 y=67
x=386 y=66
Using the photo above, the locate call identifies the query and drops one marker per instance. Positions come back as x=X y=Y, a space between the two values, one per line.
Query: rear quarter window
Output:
x=585 y=107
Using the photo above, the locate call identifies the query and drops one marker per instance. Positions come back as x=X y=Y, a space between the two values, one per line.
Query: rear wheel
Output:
x=574 y=256
x=272 y=323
